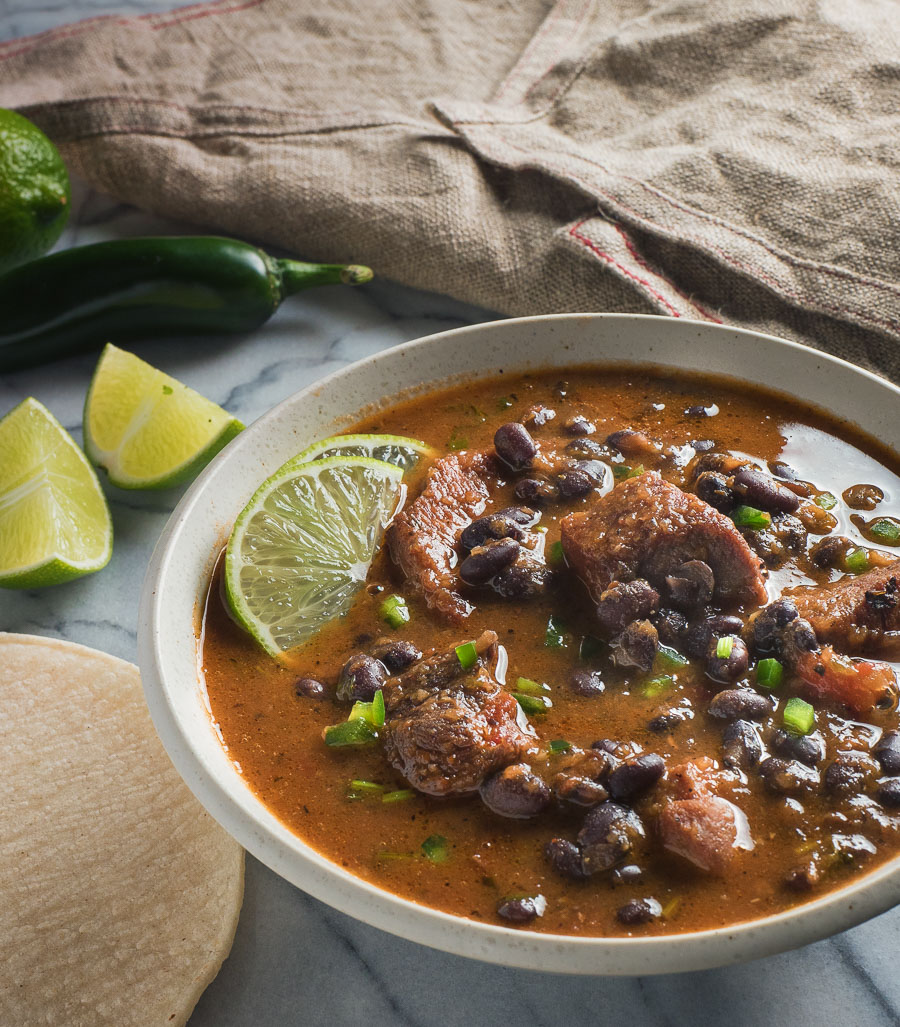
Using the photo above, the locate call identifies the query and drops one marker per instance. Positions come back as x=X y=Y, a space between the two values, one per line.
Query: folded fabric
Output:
x=710 y=159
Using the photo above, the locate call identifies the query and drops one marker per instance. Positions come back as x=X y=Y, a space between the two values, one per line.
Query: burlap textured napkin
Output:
x=713 y=159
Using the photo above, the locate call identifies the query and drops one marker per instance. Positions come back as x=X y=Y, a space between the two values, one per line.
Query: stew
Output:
x=622 y=664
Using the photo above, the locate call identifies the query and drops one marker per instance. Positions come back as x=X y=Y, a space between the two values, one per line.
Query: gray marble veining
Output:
x=294 y=959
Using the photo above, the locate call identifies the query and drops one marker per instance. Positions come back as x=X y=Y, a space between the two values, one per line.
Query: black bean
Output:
x=308 y=688
x=639 y=911
x=782 y=470
x=609 y=833
x=849 y=773
x=631 y=873
x=522 y=910
x=703 y=445
x=803 y=877
x=573 y=484
x=698 y=637
x=830 y=551
x=538 y=416
x=589 y=449
x=863 y=497
x=730 y=667
x=491 y=526
x=669 y=719
x=740 y=704
x=516 y=792
x=397 y=656
x=767 y=626
x=579 y=425
x=763 y=491
x=741 y=745
x=713 y=488
x=636 y=646
x=787 y=777
x=671 y=626
x=624 y=603
x=690 y=585
x=702 y=410
x=484 y=562
x=798 y=638
x=565 y=858
x=360 y=678
x=514 y=445
x=635 y=776
x=523 y=580
x=522 y=515
x=609 y=745
x=536 y=490
x=888 y=792
x=887 y=752
x=808 y=749
x=586 y=682
x=596 y=470
x=632 y=443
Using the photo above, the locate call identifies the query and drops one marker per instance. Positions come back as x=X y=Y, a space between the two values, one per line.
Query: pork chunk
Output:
x=647 y=528
x=423 y=536
x=856 y=613
x=448 y=728
x=699 y=825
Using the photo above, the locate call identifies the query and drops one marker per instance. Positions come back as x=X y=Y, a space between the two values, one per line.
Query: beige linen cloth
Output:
x=731 y=160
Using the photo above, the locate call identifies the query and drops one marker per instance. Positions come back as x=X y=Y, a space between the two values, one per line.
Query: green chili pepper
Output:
x=129 y=289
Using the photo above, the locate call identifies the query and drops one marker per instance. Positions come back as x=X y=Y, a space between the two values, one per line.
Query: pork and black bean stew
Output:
x=630 y=640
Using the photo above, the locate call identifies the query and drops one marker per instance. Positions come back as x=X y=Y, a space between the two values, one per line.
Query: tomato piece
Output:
x=858 y=684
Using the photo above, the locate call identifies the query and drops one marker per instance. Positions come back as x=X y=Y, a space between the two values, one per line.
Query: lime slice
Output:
x=392 y=449
x=301 y=548
x=147 y=429
x=54 y=522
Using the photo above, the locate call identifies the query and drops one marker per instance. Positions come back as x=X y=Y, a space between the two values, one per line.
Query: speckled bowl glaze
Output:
x=179 y=573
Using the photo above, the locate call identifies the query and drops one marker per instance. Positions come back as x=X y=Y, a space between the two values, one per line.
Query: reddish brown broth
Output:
x=275 y=740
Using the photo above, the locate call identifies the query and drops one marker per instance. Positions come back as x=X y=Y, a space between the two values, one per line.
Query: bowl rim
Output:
x=287 y=854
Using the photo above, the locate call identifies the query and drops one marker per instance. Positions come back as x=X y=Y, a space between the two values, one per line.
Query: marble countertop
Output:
x=294 y=959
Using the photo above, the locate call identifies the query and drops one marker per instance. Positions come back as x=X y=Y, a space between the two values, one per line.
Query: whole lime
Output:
x=35 y=195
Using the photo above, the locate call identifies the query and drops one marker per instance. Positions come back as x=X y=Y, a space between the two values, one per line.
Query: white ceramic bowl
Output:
x=180 y=568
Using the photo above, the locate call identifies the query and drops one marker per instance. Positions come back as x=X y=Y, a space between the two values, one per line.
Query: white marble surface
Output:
x=295 y=960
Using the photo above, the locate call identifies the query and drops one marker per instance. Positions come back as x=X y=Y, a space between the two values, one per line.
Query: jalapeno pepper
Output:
x=128 y=289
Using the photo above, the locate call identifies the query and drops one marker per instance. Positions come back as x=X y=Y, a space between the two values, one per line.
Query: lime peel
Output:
x=54 y=521
x=392 y=449
x=301 y=548
x=147 y=429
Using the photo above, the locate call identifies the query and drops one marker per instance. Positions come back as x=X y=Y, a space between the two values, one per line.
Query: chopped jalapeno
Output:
x=857 y=561
x=769 y=673
x=457 y=441
x=400 y=795
x=826 y=500
x=372 y=712
x=467 y=655
x=532 y=704
x=436 y=848
x=668 y=658
x=395 y=611
x=351 y=732
x=559 y=745
x=530 y=687
x=657 y=685
x=555 y=553
x=724 y=646
x=589 y=647
x=799 y=717
x=623 y=471
x=363 y=789
x=751 y=517
x=887 y=531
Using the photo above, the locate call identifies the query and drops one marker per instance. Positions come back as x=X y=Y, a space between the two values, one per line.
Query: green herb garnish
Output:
x=825 y=500
x=885 y=530
x=724 y=646
x=399 y=795
x=668 y=658
x=395 y=611
x=657 y=685
x=467 y=655
x=751 y=517
x=769 y=673
x=857 y=561
x=799 y=717
x=436 y=848
x=532 y=704
x=558 y=745
x=351 y=732
x=555 y=635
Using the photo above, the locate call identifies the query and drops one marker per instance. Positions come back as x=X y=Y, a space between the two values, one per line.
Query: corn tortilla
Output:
x=119 y=894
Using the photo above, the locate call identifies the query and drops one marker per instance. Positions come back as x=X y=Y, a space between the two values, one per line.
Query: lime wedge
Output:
x=392 y=449
x=147 y=429
x=301 y=548
x=54 y=522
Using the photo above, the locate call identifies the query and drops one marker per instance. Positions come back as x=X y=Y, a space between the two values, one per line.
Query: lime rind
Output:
x=54 y=520
x=392 y=449
x=147 y=429
x=301 y=548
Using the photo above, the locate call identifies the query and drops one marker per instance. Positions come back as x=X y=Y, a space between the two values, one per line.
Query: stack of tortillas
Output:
x=119 y=895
